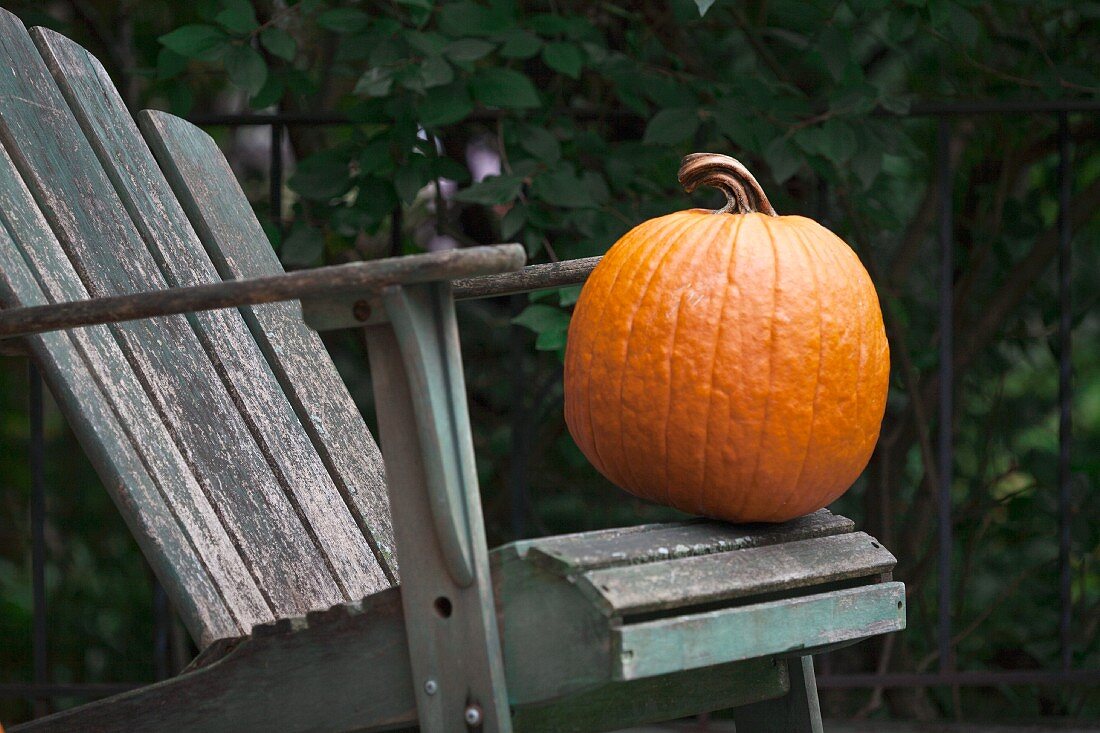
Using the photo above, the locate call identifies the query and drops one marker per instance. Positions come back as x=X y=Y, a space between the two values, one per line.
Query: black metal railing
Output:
x=41 y=691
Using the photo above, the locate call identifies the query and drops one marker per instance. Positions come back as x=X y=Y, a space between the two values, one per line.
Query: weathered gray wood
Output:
x=339 y=670
x=366 y=277
x=635 y=589
x=693 y=641
x=532 y=277
x=223 y=217
x=571 y=638
x=183 y=262
x=454 y=643
x=572 y=554
x=98 y=234
x=796 y=712
x=228 y=229
x=172 y=519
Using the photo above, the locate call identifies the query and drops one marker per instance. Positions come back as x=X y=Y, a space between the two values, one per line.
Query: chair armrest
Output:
x=353 y=277
x=532 y=277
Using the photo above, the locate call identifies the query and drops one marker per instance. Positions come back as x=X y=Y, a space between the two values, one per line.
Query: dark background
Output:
x=858 y=113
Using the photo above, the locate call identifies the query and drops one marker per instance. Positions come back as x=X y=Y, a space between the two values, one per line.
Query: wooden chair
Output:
x=135 y=273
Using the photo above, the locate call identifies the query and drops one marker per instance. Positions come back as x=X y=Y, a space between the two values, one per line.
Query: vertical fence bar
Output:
x=947 y=388
x=1065 y=389
x=36 y=456
x=275 y=173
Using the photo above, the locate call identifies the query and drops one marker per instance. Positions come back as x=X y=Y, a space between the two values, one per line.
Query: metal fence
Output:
x=41 y=690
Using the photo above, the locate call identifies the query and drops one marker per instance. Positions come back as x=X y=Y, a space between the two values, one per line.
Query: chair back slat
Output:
x=257 y=514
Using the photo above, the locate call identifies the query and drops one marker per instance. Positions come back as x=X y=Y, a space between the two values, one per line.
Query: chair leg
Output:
x=795 y=712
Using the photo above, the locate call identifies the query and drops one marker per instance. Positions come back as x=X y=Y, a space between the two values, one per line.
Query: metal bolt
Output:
x=361 y=310
x=472 y=715
x=431 y=687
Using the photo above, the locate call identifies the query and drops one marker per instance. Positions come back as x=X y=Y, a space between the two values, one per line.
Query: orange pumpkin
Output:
x=731 y=363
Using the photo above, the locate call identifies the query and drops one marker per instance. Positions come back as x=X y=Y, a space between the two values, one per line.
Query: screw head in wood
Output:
x=472 y=716
x=431 y=687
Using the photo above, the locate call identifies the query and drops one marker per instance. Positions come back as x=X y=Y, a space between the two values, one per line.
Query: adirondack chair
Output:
x=137 y=277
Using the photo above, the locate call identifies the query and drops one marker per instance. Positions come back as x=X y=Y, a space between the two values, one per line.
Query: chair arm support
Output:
x=356 y=276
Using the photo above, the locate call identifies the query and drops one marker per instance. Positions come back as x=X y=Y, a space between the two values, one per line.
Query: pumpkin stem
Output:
x=743 y=193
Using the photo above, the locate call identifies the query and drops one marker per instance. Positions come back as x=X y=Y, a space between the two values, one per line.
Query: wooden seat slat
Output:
x=635 y=589
x=653 y=543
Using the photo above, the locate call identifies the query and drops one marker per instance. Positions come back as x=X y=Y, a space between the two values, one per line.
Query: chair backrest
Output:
x=226 y=438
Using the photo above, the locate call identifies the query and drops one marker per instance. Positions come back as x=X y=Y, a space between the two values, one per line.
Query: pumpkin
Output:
x=728 y=363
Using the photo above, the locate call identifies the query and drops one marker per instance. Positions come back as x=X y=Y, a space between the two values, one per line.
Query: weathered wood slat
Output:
x=222 y=216
x=124 y=436
x=746 y=632
x=183 y=262
x=342 y=670
x=591 y=551
x=634 y=589
x=97 y=233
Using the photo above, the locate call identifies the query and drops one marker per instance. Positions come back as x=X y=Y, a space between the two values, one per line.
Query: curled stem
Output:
x=744 y=194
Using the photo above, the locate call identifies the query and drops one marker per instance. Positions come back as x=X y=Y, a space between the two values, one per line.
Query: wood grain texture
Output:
x=364 y=278
x=222 y=216
x=338 y=670
x=123 y=434
x=207 y=427
x=572 y=553
x=183 y=262
x=692 y=641
x=532 y=277
x=635 y=589
x=454 y=639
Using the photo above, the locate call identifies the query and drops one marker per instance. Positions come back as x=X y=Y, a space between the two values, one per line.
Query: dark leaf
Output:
x=197 y=41
x=671 y=126
x=491 y=191
x=271 y=92
x=513 y=222
x=541 y=143
x=238 y=16
x=445 y=105
x=322 y=176
x=278 y=42
x=519 y=44
x=562 y=188
x=246 y=68
x=782 y=160
x=498 y=87
x=303 y=246
x=343 y=20
x=468 y=49
x=376 y=82
x=564 y=57
x=470 y=19
x=410 y=178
